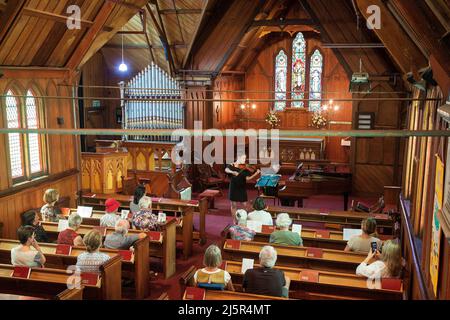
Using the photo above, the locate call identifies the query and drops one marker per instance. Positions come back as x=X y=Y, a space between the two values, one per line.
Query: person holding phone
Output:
x=362 y=243
x=28 y=253
x=386 y=265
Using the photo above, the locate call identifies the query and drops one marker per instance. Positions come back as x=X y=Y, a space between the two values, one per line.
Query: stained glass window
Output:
x=280 y=80
x=34 y=147
x=315 y=80
x=14 y=139
x=298 y=70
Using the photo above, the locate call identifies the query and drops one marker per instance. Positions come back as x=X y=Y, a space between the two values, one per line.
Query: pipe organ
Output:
x=142 y=112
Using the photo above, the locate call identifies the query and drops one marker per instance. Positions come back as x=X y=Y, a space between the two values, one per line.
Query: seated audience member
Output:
x=119 y=238
x=266 y=280
x=363 y=242
x=283 y=235
x=70 y=235
x=92 y=259
x=144 y=219
x=31 y=218
x=240 y=231
x=49 y=211
x=388 y=264
x=111 y=216
x=138 y=194
x=211 y=276
x=259 y=213
x=28 y=253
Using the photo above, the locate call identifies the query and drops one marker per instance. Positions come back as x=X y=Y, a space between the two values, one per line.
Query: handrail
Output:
x=406 y=225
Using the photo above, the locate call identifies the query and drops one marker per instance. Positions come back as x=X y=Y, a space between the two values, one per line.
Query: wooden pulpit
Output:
x=102 y=172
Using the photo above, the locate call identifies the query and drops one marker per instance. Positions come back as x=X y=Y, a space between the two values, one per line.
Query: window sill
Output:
x=37 y=182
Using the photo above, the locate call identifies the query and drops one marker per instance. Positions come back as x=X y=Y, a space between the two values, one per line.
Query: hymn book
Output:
x=254 y=225
x=89 y=279
x=232 y=244
x=325 y=234
x=247 y=264
x=309 y=275
x=63 y=224
x=21 y=272
x=84 y=212
x=194 y=293
x=127 y=255
x=65 y=211
x=155 y=236
x=297 y=228
x=64 y=249
x=350 y=233
x=314 y=252
x=267 y=229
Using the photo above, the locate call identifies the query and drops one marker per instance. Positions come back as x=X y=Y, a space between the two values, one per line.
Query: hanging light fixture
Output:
x=123 y=67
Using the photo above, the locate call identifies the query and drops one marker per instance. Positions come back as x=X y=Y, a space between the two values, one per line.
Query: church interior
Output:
x=224 y=150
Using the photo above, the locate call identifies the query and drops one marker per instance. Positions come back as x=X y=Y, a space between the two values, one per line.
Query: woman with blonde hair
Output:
x=388 y=264
x=92 y=259
x=362 y=243
x=211 y=276
x=49 y=211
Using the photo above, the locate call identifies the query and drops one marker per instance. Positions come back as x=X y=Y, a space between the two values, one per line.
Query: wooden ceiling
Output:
x=33 y=33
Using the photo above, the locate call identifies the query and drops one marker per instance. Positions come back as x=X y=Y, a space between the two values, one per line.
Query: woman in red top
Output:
x=70 y=235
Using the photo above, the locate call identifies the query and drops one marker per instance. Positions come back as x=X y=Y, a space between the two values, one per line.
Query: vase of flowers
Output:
x=273 y=120
x=318 y=120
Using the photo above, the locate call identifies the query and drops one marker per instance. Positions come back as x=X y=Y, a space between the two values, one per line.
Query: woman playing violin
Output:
x=239 y=174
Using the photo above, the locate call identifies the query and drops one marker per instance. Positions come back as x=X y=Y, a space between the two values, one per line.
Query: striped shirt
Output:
x=91 y=261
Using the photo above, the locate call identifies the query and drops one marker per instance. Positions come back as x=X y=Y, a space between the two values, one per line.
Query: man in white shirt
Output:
x=260 y=214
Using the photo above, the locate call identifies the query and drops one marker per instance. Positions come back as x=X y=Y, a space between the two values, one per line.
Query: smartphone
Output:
x=374 y=246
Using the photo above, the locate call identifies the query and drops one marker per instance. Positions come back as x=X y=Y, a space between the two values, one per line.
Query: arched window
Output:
x=34 y=145
x=14 y=139
x=315 y=80
x=298 y=83
x=26 y=156
x=280 y=80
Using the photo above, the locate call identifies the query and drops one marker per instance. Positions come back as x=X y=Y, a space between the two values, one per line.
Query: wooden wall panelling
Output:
x=198 y=110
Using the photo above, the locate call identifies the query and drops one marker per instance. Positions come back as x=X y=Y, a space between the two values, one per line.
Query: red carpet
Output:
x=216 y=221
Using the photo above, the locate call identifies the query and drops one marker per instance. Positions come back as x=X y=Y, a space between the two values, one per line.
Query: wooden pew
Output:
x=290 y=256
x=184 y=227
x=310 y=237
x=200 y=207
x=187 y=280
x=341 y=219
x=47 y=283
x=329 y=285
x=68 y=294
x=165 y=250
x=138 y=266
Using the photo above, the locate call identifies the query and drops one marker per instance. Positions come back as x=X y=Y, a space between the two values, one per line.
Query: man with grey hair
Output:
x=283 y=235
x=266 y=280
x=119 y=238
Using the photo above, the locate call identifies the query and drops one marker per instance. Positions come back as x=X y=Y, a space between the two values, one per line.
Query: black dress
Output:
x=238 y=192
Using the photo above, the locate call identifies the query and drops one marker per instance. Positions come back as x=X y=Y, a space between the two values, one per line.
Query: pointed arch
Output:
x=32 y=119
x=280 y=80
x=298 y=80
x=315 y=79
x=15 y=141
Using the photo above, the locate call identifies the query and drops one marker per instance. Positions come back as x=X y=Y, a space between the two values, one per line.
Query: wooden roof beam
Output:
x=407 y=55
x=84 y=45
x=9 y=15
x=181 y=11
x=283 y=22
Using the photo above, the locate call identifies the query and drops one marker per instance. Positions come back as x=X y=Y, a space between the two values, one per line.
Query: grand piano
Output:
x=314 y=178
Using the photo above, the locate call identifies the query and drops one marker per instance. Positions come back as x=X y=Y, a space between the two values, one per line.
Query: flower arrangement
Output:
x=272 y=119
x=318 y=120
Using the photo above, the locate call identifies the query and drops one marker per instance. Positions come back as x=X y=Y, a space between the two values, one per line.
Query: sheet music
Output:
x=63 y=224
x=349 y=233
x=124 y=214
x=297 y=228
x=254 y=225
x=84 y=212
x=247 y=264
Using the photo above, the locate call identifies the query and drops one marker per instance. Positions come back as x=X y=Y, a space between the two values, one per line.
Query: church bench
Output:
x=341 y=219
x=200 y=207
x=311 y=238
x=184 y=226
x=292 y=256
x=165 y=250
x=138 y=266
x=235 y=295
x=47 y=282
x=328 y=284
x=68 y=294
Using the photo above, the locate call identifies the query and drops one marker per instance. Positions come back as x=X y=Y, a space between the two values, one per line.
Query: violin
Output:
x=249 y=168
